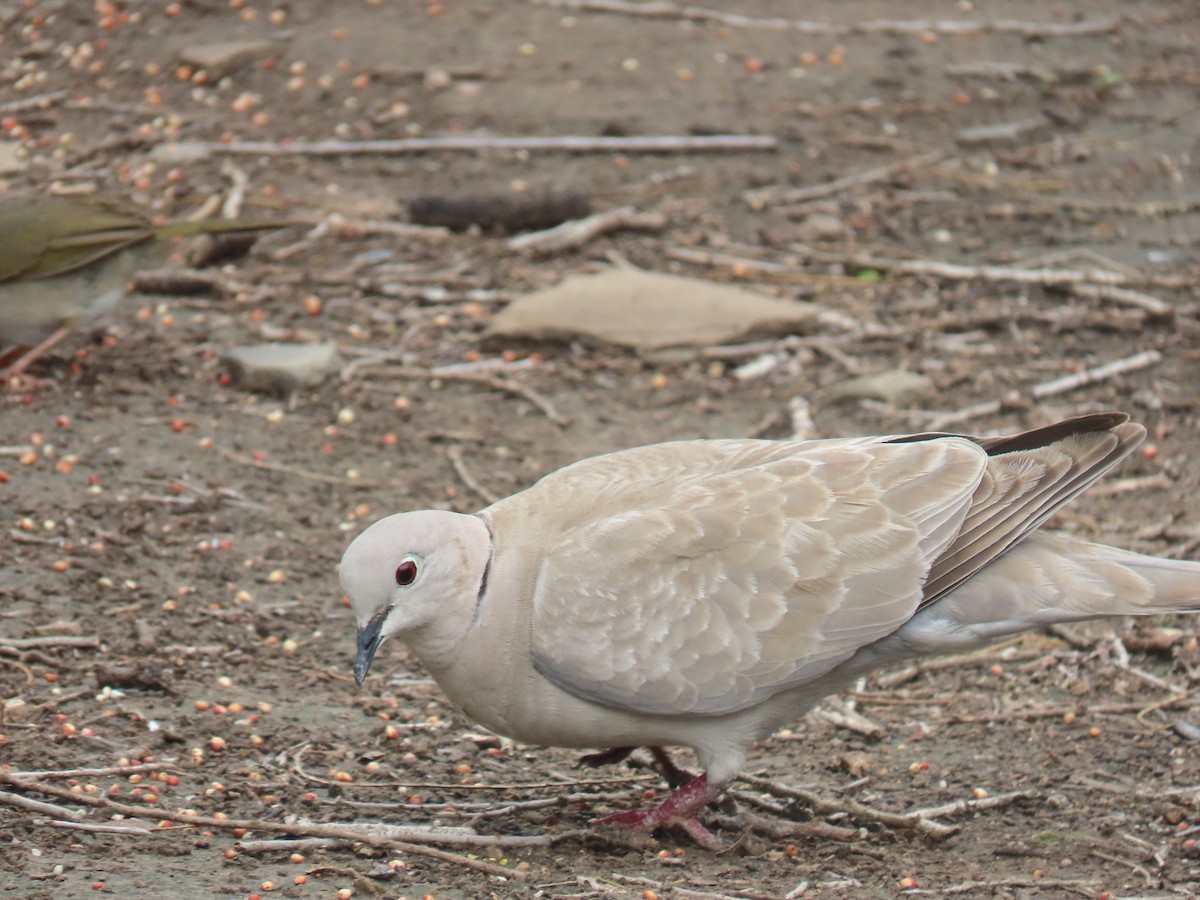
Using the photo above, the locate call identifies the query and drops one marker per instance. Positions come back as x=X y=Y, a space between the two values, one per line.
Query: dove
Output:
x=65 y=260
x=702 y=593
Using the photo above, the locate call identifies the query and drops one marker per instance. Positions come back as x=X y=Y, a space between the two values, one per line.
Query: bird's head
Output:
x=408 y=573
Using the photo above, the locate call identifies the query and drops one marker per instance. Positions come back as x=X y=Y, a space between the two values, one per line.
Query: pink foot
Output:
x=678 y=809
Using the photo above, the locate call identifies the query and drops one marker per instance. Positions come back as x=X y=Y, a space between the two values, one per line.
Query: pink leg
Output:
x=678 y=809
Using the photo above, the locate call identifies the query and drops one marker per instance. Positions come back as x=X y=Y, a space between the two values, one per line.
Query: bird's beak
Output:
x=369 y=640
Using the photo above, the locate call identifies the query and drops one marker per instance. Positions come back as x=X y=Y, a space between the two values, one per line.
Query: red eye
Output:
x=406 y=573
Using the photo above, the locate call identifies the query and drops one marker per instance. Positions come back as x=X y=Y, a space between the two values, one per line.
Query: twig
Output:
x=1100 y=373
x=958 y=807
x=889 y=680
x=561 y=144
x=1124 y=297
x=578 y=232
x=1136 y=485
x=40 y=101
x=28 y=672
x=938 y=422
x=989 y=887
x=1150 y=880
x=455 y=454
x=239 y=181
x=1181 y=701
x=822 y=805
x=90 y=773
x=38 y=806
x=99 y=828
x=293 y=470
x=301 y=829
x=492 y=381
x=850 y=720
x=760 y=198
x=39 y=643
x=779 y=829
x=290 y=845
x=955 y=272
x=660 y=9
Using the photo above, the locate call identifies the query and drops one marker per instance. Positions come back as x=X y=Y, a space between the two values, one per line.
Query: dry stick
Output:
x=1138 y=484
x=777 y=829
x=578 y=232
x=90 y=773
x=562 y=144
x=303 y=830
x=1083 y=888
x=1136 y=299
x=1100 y=373
x=1181 y=701
x=290 y=846
x=448 y=786
x=39 y=643
x=1147 y=358
x=1149 y=879
x=958 y=807
x=455 y=454
x=660 y=9
x=955 y=272
x=101 y=829
x=822 y=805
x=763 y=197
x=293 y=470
x=28 y=672
x=848 y=719
x=41 y=101
x=37 y=806
x=492 y=381
x=894 y=679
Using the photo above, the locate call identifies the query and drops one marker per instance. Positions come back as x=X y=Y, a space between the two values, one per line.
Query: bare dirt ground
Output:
x=168 y=597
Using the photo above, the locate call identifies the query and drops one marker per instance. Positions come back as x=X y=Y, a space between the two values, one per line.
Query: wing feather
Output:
x=708 y=575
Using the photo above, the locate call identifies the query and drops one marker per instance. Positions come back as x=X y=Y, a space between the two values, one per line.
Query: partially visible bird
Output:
x=702 y=593
x=65 y=260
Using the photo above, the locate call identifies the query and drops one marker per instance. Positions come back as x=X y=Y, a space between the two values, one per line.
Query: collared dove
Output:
x=702 y=593
x=66 y=260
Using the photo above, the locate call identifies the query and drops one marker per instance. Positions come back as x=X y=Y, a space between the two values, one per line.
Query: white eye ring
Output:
x=407 y=571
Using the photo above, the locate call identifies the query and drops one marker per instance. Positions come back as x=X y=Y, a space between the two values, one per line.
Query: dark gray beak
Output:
x=368 y=643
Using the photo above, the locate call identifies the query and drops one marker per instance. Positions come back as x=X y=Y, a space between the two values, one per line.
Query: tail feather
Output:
x=1176 y=582
x=1050 y=579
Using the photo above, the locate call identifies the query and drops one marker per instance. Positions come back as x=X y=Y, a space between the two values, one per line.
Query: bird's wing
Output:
x=1028 y=477
x=697 y=578
x=49 y=235
x=702 y=577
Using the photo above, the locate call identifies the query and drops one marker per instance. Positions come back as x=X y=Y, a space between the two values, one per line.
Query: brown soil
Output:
x=193 y=528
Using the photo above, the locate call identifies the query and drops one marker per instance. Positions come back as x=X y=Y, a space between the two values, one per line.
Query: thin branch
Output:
x=1145 y=302
x=455 y=455
x=660 y=9
x=822 y=805
x=38 y=806
x=301 y=829
x=560 y=144
x=956 y=272
x=293 y=470
x=99 y=828
x=40 y=101
x=493 y=381
x=938 y=422
x=577 y=232
x=41 y=643
x=760 y=198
